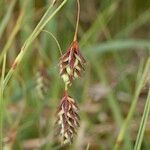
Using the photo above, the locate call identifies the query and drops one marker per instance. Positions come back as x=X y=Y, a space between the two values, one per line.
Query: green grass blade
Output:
x=2 y=102
x=104 y=16
x=142 y=19
x=143 y=124
x=12 y=35
x=7 y=17
x=112 y=102
x=133 y=106
x=28 y=42
x=118 y=45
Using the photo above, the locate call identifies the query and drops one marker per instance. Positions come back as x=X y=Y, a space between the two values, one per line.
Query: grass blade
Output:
x=105 y=15
x=143 y=123
x=118 y=45
x=12 y=35
x=142 y=19
x=28 y=42
x=7 y=17
x=2 y=102
x=133 y=106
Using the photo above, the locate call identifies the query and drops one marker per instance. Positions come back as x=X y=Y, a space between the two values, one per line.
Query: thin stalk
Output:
x=28 y=42
x=2 y=103
x=66 y=87
x=77 y=23
x=51 y=34
x=143 y=124
x=133 y=106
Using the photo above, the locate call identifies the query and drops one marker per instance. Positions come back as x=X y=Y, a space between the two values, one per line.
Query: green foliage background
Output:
x=114 y=37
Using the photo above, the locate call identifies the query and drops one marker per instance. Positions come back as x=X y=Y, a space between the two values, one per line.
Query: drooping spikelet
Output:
x=71 y=63
x=67 y=118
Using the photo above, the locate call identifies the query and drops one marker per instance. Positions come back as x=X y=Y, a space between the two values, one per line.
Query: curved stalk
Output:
x=77 y=23
x=51 y=34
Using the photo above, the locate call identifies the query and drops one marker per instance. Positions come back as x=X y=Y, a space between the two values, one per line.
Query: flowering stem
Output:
x=77 y=23
x=66 y=87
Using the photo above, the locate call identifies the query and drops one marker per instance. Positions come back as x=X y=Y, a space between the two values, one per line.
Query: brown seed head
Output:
x=71 y=63
x=68 y=118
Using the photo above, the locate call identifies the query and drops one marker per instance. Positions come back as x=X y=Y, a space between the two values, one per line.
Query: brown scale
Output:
x=67 y=118
x=71 y=63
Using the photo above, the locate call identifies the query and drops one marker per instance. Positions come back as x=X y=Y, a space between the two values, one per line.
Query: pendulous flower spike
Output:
x=67 y=118
x=71 y=63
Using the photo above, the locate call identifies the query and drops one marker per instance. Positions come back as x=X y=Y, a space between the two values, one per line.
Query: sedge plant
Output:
x=71 y=65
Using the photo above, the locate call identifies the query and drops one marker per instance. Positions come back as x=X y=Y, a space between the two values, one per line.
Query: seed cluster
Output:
x=68 y=118
x=71 y=64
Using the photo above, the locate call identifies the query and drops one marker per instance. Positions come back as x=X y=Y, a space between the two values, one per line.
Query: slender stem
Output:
x=77 y=23
x=51 y=34
x=66 y=87
x=2 y=102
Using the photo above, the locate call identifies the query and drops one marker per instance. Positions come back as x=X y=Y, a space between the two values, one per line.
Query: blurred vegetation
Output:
x=114 y=37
